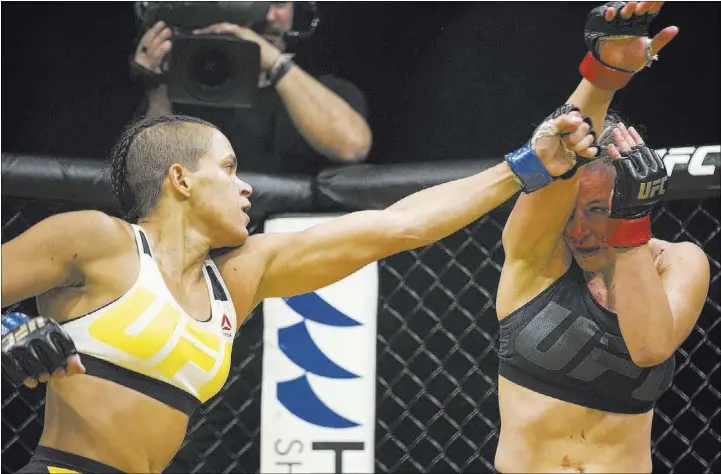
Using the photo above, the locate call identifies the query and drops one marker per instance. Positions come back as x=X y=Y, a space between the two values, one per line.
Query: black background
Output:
x=443 y=80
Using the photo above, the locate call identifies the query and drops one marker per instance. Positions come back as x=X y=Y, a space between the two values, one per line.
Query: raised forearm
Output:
x=537 y=221
x=644 y=313
x=434 y=213
x=592 y=102
x=159 y=102
x=327 y=122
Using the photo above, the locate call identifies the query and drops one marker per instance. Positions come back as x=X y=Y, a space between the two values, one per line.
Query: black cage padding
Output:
x=347 y=188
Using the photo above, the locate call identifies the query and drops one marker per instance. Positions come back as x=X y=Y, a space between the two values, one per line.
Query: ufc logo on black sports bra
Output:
x=569 y=344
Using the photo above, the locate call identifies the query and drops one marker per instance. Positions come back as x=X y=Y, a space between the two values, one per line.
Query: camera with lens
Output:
x=214 y=70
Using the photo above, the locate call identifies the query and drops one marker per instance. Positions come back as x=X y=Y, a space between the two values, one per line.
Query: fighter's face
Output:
x=220 y=199
x=586 y=230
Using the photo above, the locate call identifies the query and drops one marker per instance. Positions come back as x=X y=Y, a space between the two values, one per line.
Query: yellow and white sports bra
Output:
x=145 y=341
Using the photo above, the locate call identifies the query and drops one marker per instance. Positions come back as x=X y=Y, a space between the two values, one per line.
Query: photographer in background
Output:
x=298 y=123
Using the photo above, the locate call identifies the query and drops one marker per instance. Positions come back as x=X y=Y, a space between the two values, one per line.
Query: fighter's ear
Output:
x=180 y=179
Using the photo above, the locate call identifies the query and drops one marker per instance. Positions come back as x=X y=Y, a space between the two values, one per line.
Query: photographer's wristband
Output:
x=146 y=78
x=280 y=69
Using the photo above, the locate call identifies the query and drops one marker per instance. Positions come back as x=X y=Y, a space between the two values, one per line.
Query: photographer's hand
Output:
x=153 y=47
x=327 y=122
x=269 y=54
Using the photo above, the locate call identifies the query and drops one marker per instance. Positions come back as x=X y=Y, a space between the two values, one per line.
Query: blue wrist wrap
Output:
x=12 y=320
x=527 y=166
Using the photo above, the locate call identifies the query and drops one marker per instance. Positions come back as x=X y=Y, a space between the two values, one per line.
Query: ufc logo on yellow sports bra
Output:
x=159 y=341
x=60 y=470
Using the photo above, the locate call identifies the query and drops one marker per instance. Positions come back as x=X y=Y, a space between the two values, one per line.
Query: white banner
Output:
x=319 y=372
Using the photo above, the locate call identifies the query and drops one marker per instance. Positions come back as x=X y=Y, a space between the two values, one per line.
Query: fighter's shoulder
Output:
x=252 y=255
x=681 y=248
x=243 y=268
x=92 y=232
x=685 y=256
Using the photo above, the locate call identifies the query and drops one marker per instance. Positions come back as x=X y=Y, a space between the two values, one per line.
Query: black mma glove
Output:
x=34 y=347
x=641 y=179
x=527 y=166
x=597 y=30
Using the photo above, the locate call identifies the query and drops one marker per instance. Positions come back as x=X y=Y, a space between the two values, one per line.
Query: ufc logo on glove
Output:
x=12 y=338
x=652 y=188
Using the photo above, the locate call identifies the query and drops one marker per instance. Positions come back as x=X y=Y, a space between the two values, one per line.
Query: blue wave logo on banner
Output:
x=296 y=395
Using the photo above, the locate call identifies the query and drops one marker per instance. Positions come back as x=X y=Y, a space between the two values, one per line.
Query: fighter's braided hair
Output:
x=144 y=153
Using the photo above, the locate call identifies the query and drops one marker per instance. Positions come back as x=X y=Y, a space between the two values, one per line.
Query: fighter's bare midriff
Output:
x=543 y=434
x=112 y=424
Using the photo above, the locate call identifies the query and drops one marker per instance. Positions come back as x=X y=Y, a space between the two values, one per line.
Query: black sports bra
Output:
x=565 y=345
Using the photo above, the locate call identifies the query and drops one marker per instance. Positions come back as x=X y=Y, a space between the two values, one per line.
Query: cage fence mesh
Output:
x=437 y=407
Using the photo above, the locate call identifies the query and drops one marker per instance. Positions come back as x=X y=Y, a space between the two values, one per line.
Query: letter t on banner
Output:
x=319 y=372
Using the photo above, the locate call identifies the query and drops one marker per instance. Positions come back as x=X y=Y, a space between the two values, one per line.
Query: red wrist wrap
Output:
x=629 y=232
x=601 y=75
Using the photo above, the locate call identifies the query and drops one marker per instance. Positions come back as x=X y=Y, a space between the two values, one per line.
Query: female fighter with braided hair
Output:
x=591 y=307
x=143 y=319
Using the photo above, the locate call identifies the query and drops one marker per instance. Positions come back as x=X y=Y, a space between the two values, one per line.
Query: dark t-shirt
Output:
x=264 y=137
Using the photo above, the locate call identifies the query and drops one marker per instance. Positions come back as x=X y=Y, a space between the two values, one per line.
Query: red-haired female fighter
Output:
x=591 y=307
